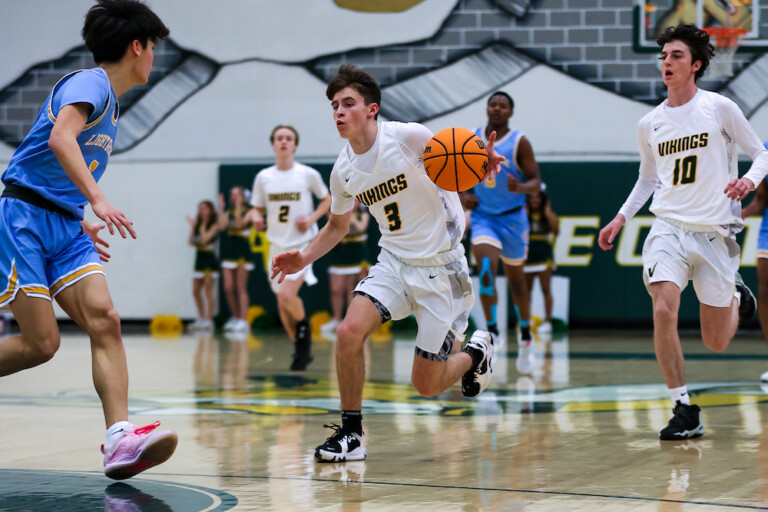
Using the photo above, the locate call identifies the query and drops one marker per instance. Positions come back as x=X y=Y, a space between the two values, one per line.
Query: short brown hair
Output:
x=696 y=39
x=281 y=126
x=351 y=76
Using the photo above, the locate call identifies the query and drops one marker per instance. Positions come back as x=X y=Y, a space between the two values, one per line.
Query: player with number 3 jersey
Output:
x=421 y=267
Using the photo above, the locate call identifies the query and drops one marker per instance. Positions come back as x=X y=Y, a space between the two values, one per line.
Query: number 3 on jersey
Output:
x=688 y=167
x=393 y=216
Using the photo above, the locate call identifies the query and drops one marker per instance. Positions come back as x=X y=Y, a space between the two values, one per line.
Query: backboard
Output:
x=653 y=16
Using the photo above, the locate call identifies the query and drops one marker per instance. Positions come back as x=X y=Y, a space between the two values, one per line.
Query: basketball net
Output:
x=727 y=41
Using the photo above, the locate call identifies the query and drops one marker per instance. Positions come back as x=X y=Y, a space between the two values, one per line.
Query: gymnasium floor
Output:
x=580 y=434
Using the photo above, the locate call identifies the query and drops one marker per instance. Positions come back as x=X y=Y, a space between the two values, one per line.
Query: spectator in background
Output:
x=205 y=231
x=544 y=227
x=236 y=256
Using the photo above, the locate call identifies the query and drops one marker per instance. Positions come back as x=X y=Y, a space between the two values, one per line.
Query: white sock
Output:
x=117 y=431
x=679 y=395
x=738 y=297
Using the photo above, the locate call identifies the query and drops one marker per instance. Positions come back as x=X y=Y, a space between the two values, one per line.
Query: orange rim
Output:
x=726 y=37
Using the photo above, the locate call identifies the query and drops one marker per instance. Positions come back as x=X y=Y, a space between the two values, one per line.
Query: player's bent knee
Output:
x=425 y=387
x=716 y=343
x=103 y=321
x=43 y=350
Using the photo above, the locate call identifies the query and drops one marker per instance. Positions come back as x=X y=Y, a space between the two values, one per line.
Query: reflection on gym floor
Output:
x=579 y=432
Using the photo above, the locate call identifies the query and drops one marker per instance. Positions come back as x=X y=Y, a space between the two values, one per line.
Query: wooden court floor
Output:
x=579 y=434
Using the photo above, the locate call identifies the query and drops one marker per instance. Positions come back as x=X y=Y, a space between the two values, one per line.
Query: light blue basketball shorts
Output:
x=41 y=252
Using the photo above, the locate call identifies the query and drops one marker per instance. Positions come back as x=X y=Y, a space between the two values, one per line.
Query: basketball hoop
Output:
x=727 y=41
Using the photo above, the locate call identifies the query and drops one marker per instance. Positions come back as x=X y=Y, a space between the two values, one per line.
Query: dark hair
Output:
x=211 y=221
x=544 y=200
x=111 y=25
x=697 y=41
x=281 y=126
x=350 y=76
x=502 y=93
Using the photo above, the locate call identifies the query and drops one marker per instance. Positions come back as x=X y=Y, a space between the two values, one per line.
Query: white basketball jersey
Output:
x=695 y=161
x=416 y=218
x=286 y=196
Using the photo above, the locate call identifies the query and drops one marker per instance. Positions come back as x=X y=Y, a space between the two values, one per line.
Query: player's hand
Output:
x=303 y=223
x=258 y=223
x=92 y=230
x=494 y=159
x=287 y=263
x=113 y=217
x=738 y=188
x=609 y=232
x=513 y=184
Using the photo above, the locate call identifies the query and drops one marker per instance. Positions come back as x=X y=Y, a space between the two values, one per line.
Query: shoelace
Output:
x=140 y=431
x=338 y=430
x=146 y=428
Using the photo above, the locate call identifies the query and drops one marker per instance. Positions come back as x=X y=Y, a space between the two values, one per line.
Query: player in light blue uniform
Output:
x=758 y=206
x=499 y=223
x=48 y=250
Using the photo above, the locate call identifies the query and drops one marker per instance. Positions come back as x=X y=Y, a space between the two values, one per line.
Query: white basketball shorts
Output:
x=710 y=260
x=439 y=294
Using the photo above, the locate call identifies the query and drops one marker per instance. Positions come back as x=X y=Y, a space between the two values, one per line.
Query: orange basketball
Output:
x=456 y=159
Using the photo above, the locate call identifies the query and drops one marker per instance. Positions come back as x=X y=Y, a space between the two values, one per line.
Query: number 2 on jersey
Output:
x=283 y=215
x=688 y=167
x=393 y=216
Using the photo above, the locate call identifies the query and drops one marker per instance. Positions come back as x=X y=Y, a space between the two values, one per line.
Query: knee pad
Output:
x=485 y=272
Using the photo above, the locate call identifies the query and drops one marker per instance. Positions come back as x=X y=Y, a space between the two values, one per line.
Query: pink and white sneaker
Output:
x=138 y=450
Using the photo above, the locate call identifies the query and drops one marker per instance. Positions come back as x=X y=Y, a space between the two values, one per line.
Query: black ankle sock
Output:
x=525 y=333
x=302 y=331
x=493 y=328
x=352 y=420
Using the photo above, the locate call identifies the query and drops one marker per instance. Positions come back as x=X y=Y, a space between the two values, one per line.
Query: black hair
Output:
x=351 y=76
x=502 y=93
x=697 y=41
x=111 y=25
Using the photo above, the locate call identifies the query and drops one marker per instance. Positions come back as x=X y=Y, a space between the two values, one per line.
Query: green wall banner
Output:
x=606 y=287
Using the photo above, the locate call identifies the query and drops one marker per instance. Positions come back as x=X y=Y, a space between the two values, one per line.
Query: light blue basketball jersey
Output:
x=494 y=197
x=34 y=166
x=762 y=241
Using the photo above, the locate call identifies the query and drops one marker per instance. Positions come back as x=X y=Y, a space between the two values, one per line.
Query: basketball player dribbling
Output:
x=47 y=249
x=688 y=162
x=421 y=268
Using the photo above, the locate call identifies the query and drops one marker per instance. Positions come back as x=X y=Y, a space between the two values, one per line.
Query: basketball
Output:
x=455 y=159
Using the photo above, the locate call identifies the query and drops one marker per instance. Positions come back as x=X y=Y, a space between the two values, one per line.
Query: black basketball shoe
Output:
x=748 y=304
x=342 y=446
x=685 y=424
x=477 y=378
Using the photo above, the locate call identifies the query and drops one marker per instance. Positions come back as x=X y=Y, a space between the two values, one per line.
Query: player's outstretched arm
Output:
x=609 y=232
x=63 y=143
x=331 y=234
